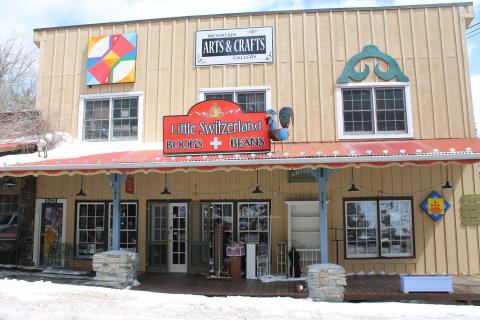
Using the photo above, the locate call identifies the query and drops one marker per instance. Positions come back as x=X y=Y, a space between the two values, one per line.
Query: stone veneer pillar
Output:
x=116 y=269
x=326 y=282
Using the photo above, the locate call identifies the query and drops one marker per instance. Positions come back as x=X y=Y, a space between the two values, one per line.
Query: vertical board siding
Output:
x=311 y=50
x=445 y=246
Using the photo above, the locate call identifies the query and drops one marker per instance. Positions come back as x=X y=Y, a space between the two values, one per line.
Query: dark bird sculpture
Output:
x=286 y=118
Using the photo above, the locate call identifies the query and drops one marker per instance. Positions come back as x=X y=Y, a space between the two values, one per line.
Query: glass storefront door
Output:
x=168 y=237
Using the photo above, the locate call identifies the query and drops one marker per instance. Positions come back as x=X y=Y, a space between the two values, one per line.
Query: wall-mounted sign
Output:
x=215 y=126
x=130 y=184
x=234 y=46
x=301 y=175
x=111 y=59
x=435 y=206
x=470 y=209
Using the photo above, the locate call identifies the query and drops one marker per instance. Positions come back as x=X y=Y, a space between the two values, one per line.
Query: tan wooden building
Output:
x=397 y=132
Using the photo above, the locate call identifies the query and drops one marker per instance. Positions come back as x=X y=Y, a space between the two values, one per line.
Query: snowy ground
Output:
x=44 y=300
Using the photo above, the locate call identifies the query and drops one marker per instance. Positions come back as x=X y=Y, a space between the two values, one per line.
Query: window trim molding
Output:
x=379 y=255
x=81 y=112
x=341 y=135
x=266 y=89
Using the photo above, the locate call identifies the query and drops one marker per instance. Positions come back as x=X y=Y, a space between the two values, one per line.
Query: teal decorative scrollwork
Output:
x=371 y=51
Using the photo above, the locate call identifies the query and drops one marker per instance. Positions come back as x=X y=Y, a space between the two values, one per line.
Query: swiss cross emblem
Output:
x=435 y=206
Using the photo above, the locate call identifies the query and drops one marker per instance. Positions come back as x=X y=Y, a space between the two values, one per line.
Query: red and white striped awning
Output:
x=293 y=155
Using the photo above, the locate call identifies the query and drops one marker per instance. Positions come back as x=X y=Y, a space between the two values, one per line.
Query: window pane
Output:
x=96 y=119
x=90 y=222
x=128 y=226
x=361 y=229
x=222 y=96
x=396 y=228
x=357 y=111
x=391 y=110
x=125 y=118
x=8 y=206
x=251 y=101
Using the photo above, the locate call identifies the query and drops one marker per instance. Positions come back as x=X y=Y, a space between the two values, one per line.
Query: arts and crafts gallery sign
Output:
x=215 y=126
x=234 y=46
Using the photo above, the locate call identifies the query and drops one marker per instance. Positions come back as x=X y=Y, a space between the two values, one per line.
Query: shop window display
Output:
x=378 y=228
x=253 y=225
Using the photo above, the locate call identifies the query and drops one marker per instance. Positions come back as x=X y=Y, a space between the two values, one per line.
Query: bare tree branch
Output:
x=18 y=60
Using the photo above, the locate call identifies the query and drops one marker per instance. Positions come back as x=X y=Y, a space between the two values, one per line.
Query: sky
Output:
x=22 y=16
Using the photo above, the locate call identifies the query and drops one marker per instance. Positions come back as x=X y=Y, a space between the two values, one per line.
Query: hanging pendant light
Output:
x=165 y=190
x=353 y=188
x=81 y=193
x=257 y=188
x=447 y=184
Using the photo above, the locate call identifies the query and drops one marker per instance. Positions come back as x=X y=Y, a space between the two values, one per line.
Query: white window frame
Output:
x=235 y=90
x=372 y=86
x=110 y=96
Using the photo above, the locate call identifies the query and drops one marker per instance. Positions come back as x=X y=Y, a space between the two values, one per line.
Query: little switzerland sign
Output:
x=234 y=46
x=215 y=126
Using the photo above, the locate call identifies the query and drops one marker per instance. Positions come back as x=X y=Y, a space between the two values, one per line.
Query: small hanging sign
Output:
x=435 y=206
x=130 y=184
x=470 y=209
x=301 y=175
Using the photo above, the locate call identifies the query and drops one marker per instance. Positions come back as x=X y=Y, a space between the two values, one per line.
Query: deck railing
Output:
x=308 y=257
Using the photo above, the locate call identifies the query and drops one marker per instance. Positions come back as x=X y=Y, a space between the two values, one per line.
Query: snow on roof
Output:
x=72 y=148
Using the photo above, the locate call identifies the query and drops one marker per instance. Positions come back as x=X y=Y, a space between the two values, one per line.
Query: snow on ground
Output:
x=44 y=300
x=72 y=148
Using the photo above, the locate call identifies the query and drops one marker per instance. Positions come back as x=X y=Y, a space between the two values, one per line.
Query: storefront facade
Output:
x=343 y=114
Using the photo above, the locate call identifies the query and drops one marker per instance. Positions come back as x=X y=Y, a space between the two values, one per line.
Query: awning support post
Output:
x=116 y=181
x=322 y=175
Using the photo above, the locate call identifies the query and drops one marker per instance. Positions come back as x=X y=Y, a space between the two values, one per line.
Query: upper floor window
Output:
x=110 y=117
x=374 y=111
x=249 y=99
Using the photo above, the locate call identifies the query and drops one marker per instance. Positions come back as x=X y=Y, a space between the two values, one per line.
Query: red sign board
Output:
x=130 y=184
x=215 y=126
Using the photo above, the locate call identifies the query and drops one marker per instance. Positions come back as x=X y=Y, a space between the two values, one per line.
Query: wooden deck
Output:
x=196 y=284
x=359 y=288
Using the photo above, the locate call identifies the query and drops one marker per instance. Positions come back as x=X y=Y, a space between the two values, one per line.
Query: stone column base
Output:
x=326 y=282
x=116 y=269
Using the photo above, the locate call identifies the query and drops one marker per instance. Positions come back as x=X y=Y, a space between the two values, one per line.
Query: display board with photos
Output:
x=254 y=224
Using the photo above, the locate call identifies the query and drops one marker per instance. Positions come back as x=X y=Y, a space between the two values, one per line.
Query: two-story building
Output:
x=378 y=169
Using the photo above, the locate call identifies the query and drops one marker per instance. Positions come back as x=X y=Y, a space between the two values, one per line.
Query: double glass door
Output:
x=168 y=237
